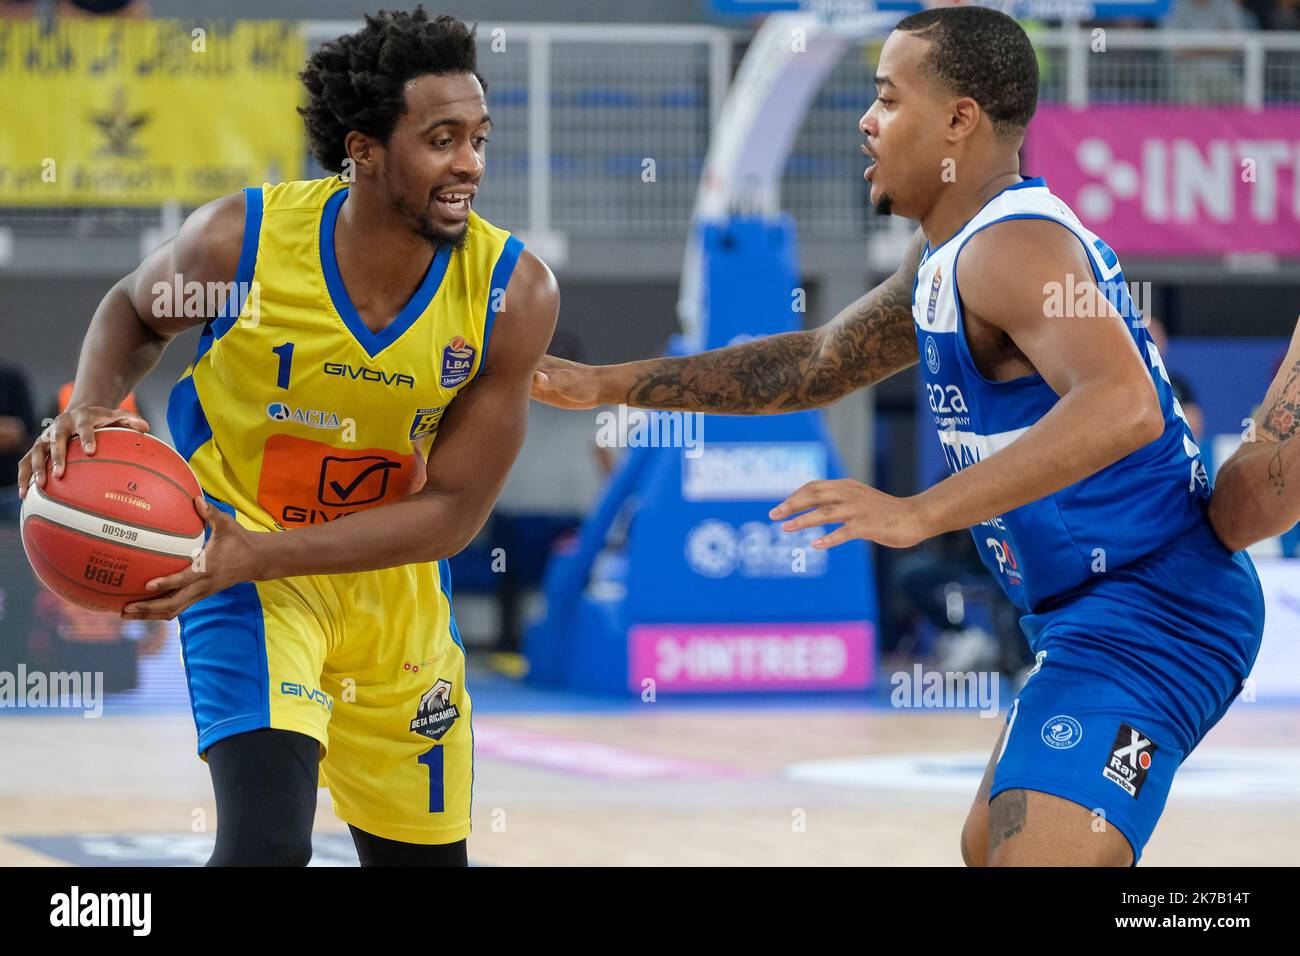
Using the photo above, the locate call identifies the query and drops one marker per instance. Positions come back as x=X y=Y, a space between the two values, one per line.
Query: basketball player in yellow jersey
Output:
x=351 y=413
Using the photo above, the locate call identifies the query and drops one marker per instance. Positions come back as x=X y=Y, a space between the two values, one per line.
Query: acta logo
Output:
x=391 y=379
x=313 y=417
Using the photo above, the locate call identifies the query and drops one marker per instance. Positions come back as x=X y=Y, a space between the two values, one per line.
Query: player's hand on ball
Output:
x=565 y=384
x=230 y=557
x=52 y=444
x=861 y=511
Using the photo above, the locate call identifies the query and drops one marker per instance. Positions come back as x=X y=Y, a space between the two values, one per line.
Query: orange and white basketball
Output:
x=113 y=521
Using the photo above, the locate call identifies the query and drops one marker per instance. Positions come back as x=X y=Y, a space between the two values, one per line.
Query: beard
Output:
x=884 y=206
x=422 y=222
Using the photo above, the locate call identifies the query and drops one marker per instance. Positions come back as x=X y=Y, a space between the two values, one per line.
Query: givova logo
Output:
x=362 y=374
x=293 y=689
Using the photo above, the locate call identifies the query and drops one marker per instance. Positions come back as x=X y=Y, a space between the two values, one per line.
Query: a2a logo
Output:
x=946 y=399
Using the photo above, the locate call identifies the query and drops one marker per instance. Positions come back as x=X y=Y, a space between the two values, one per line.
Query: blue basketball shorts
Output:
x=1131 y=673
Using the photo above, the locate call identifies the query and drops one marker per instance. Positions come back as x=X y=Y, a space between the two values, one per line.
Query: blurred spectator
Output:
x=1258 y=12
x=1209 y=15
x=1207 y=77
x=1282 y=15
x=75 y=8
x=1129 y=23
x=18 y=427
x=102 y=8
x=948 y=611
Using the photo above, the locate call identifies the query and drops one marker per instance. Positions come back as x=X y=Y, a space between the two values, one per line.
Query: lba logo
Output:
x=457 y=360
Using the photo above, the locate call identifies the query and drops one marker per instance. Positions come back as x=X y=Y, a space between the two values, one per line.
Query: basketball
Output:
x=113 y=521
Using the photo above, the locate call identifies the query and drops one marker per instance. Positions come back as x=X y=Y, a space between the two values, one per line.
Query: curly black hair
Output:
x=984 y=54
x=357 y=82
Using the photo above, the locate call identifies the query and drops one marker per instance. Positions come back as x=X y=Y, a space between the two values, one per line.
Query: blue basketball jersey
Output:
x=1044 y=549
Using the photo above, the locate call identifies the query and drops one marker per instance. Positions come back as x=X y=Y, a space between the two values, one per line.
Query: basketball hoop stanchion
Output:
x=705 y=592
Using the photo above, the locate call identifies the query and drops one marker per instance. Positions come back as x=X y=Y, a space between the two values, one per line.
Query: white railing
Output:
x=1079 y=66
x=580 y=109
x=654 y=55
x=1079 y=46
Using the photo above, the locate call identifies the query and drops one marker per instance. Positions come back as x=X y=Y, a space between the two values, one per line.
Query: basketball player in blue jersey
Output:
x=351 y=413
x=1070 y=459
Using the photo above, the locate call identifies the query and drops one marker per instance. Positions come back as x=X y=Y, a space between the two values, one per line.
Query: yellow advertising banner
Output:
x=138 y=112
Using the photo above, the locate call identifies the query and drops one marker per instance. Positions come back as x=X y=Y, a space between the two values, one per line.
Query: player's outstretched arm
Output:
x=1257 y=490
x=870 y=340
x=478 y=439
x=1108 y=407
x=129 y=331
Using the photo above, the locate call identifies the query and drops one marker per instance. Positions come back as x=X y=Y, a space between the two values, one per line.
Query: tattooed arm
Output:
x=870 y=340
x=1257 y=491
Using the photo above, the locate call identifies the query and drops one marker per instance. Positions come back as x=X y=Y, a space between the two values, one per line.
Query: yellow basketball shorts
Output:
x=371 y=665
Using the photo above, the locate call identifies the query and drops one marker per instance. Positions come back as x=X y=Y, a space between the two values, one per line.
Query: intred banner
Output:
x=1175 y=180
x=749 y=657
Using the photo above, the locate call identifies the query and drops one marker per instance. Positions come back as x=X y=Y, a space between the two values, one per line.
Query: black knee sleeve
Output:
x=265 y=783
x=377 y=851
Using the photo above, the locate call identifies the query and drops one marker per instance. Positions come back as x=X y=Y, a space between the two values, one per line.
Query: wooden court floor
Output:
x=659 y=786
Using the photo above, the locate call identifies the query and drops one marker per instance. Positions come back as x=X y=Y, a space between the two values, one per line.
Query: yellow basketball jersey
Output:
x=293 y=411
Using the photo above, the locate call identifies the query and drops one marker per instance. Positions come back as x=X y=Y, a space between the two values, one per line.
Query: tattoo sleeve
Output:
x=1282 y=422
x=1283 y=419
x=868 y=341
x=1256 y=494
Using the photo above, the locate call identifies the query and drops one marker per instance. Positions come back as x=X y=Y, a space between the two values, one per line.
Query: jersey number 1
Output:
x=285 y=352
x=432 y=758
